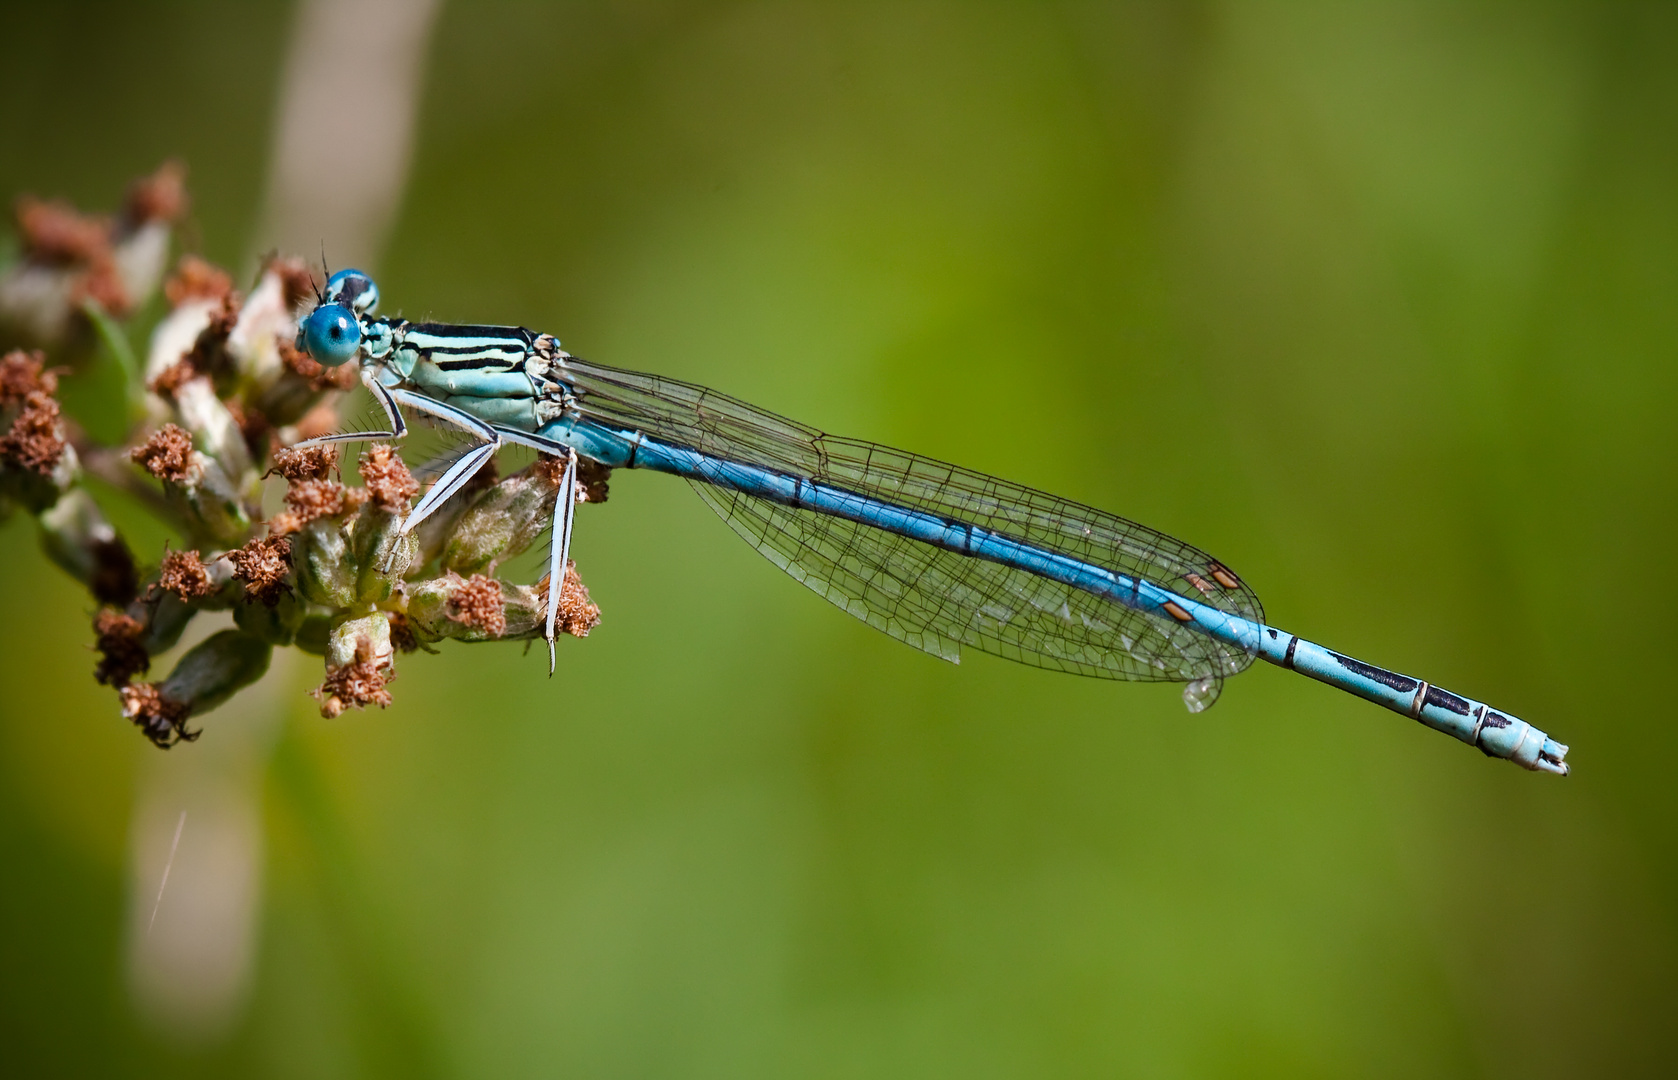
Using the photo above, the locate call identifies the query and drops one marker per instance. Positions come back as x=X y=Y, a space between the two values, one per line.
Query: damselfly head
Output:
x=355 y=289
x=330 y=334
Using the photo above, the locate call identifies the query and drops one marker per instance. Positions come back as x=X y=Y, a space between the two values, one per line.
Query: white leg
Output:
x=565 y=509
x=464 y=468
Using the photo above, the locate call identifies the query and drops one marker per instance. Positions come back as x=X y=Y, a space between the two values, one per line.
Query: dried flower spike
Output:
x=334 y=572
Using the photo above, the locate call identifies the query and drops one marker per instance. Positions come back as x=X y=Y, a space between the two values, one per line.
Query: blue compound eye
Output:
x=354 y=288
x=331 y=335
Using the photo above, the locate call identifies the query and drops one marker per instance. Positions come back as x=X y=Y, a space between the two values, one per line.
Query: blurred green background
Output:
x=1375 y=302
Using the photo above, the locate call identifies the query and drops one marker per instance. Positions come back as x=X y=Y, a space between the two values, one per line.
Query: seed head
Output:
x=307 y=500
x=309 y=463
x=167 y=455
x=36 y=438
x=185 y=575
x=262 y=564
x=389 y=483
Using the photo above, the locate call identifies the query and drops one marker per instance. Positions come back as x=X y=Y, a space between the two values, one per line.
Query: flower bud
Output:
x=320 y=558
x=473 y=609
x=209 y=674
x=358 y=665
x=276 y=624
x=195 y=485
x=215 y=669
x=503 y=521
x=381 y=551
x=165 y=617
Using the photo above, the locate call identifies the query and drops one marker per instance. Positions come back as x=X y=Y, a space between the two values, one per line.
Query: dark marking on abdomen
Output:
x=1392 y=680
x=1444 y=699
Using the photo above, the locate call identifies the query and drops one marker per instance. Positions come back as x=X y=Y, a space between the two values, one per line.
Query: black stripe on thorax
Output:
x=524 y=338
x=474 y=346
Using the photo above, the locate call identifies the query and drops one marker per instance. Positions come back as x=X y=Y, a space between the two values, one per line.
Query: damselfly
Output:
x=937 y=556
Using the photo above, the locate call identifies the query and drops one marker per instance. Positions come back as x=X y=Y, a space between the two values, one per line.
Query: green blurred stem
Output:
x=117 y=344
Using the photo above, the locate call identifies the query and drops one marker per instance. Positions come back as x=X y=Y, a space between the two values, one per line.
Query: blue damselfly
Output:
x=937 y=556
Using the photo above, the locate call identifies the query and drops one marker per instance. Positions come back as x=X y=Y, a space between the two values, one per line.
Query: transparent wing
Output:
x=934 y=599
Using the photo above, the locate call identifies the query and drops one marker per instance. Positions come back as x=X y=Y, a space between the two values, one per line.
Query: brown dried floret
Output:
x=307 y=463
x=591 y=476
x=161 y=719
x=389 y=483
x=57 y=234
x=185 y=575
x=262 y=564
x=173 y=377
x=577 y=613
x=24 y=373
x=297 y=284
x=360 y=683
x=310 y=499
x=196 y=279
x=320 y=377
x=402 y=636
x=158 y=197
x=167 y=455
x=209 y=350
x=477 y=602
x=121 y=657
x=36 y=438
